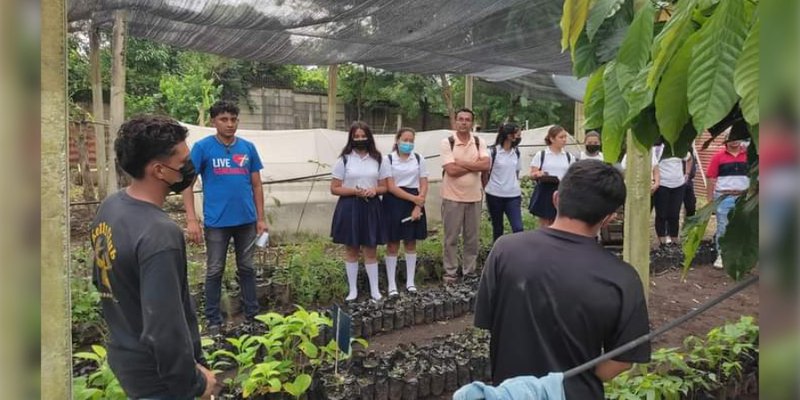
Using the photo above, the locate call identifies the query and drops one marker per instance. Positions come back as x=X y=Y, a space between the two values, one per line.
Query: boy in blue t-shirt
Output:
x=233 y=207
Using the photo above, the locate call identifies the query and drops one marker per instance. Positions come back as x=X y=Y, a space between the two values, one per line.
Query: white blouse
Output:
x=406 y=173
x=360 y=171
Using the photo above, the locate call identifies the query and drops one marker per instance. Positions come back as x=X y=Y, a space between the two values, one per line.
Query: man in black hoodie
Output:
x=140 y=268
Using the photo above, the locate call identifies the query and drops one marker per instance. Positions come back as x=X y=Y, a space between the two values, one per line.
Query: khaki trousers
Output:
x=458 y=217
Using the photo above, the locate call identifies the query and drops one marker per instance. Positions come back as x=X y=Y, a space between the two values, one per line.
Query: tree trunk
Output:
x=333 y=80
x=512 y=110
x=83 y=164
x=117 y=178
x=424 y=109
x=447 y=94
x=636 y=242
x=98 y=115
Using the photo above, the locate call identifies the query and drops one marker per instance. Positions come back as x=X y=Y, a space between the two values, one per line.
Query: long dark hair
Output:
x=503 y=132
x=371 y=149
x=399 y=133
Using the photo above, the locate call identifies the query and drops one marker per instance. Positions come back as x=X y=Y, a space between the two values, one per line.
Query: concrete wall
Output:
x=278 y=109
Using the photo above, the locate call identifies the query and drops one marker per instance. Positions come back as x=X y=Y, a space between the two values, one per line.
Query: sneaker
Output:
x=718 y=263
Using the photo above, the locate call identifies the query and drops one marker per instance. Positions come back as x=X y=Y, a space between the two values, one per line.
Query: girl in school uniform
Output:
x=592 y=145
x=547 y=168
x=359 y=177
x=407 y=187
x=503 y=193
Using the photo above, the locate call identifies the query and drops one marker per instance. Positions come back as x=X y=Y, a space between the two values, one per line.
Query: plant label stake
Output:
x=341 y=324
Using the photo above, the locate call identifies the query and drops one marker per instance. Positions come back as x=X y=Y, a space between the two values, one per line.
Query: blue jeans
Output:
x=511 y=207
x=723 y=209
x=217 y=240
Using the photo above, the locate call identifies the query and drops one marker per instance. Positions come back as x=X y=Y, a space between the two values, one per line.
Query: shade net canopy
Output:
x=515 y=43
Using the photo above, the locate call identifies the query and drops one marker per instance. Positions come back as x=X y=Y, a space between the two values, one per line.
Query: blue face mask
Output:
x=405 y=147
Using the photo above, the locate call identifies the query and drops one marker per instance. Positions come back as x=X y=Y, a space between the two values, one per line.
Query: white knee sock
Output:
x=372 y=274
x=411 y=267
x=391 y=270
x=352 y=279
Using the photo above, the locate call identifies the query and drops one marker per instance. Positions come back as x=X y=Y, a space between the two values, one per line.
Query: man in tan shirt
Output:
x=464 y=157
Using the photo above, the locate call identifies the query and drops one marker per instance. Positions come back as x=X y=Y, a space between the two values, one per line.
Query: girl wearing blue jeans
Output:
x=503 y=192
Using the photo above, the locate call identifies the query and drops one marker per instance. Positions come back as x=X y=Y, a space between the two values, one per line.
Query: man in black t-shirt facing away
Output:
x=140 y=268
x=553 y=298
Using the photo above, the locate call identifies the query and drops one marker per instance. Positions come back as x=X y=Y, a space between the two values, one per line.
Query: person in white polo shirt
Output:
x=503 y=193
x=547 y=168
x=668 y=198
x=404 y=207
x=592 y=145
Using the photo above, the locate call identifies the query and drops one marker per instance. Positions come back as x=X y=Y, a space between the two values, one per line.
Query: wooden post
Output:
x=56 y=342
x=83 y=164
x=579 y=132
x=333 y=78
x=399 y=121
x=117 y=94
x=636 y=246
x=468 y=85
x=101 y=160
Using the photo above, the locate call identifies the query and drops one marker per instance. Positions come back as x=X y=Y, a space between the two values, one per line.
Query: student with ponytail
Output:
x=404 y=206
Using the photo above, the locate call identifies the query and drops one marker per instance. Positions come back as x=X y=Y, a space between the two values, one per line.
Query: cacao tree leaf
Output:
x=635 y=49
x=573 y=20
x=639 y=96
x=745 y=76
x=645 y=129
x=693 y=231
x=711 y=93
x=600 y=11
x=584 y=58
x=615 y=111
x=612 y=32
x=672 y=110
x=739 y=244
x=670 y=39
x=593 y=105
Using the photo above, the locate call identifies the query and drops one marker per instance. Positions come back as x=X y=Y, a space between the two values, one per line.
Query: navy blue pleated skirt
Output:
x=395 y=210
x=357 y=222
x=542 y=200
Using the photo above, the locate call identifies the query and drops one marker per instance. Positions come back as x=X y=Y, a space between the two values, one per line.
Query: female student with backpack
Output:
x=501 y=183
x=359 y=176
x=547 y=168
x=404 y=207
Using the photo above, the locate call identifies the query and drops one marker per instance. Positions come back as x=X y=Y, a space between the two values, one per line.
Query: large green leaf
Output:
x=745 y=78
x=639 y=96
x=672 y=110
x=612 y=32
x=615 y=111
x=584 y=58
x=601 y=10
x=670 y=39
x=694 y=229
x=572 y=21
x=645 y=129
x=710 y=88
x=635 y=49
x=299 y=386
x=593 y=100
x=739 y=244
x=681 y=146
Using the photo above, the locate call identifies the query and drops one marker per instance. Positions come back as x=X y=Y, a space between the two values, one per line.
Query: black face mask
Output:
x=516 y=142
x=592 y=148
x=187 y=172
x=361 y=144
